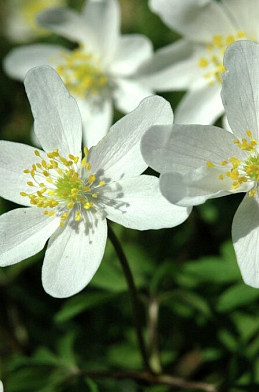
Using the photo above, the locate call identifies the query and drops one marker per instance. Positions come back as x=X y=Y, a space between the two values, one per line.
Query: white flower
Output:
x=70 y=197
x=101 y=70
x=1 y=386
x=20 y=19
x=200 y=162
x=195 y=63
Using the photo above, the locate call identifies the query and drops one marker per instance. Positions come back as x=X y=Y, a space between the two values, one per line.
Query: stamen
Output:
x=58 y=186
x=216 y=49
x=82 y=74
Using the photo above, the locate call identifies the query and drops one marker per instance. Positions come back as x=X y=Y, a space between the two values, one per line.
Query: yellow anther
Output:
x=241 y=34
x=252 y=193
x=26 y=171
x=216 y=49
x=87 y=188
x=217 y=40
x=221 y=177
x=224 y=163
x=235 y=185
x=64 y=216
x=37 y=153
x=91 y=178
x=234 y=174
x=102 y=183
x=249 y=133
x=210 y=164
x=30 y=183
x=23 y=194
x=86 y=151
x=70 y=205
x=235 y=162
x=78 y=216
x=230 y=39
x=95 y=195
x=203 y=63
x=88 y=205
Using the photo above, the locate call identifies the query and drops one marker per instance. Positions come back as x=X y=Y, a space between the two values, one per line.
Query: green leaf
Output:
x=81 y=303
x=236 y=296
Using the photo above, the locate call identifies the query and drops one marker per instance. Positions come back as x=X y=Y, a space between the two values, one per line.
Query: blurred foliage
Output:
x=207 y=326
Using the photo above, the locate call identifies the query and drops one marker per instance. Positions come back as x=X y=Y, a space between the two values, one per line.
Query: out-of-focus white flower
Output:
x=70 y=197
x=99 y=71
x=200 y=162
x=1 y=386
x=195 y=63
x=20 y=21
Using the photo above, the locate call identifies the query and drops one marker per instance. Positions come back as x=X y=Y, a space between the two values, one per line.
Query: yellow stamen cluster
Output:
x=82 y=74
x=60 y=184
x=213 y=63
x=242 y=171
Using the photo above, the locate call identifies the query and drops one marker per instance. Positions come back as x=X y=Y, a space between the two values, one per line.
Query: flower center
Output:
x=213 y=62
x=83 y=75
x=242 y=171
x=61 y=185
x=30 y=8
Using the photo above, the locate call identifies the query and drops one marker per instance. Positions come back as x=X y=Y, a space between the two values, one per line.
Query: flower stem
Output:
x=152 y=379
x=133 y=296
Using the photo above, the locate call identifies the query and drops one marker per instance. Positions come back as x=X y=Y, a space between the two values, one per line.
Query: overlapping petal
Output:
x=129 y=93
x=245 y=14
x=103 y=18
x=24 y=232
x=137 y=203
x=14 y=159
x=57 y=118
x=240 y=94
x=202 y=105
x=96 y=120
x=173 y=67
x=68 y=24
x=196 y=186
x=186 y=147
x=197 y=20
x=118 y=154
x=20 y=60
x=73 y=256
x=132 y=51
x=245 y=234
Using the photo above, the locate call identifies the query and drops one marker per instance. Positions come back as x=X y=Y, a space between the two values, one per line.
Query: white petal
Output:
x=174 y=67
x=96 y=119
x=240 y=94
x=245 y=14
x=118 y=153
x=24 y=232
x=103 y=18
x=131 y=52
x=20 y=60
x=245 y=234
x=195 y=187
x=129 y=93
x=225 y=124
x=200 y=106
x=57 y=118
x=1 y=386
x=198 y=20
x=14 y=159
x=68 y=24
x=137 y=203
x=186 y=147
x=73 y=256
